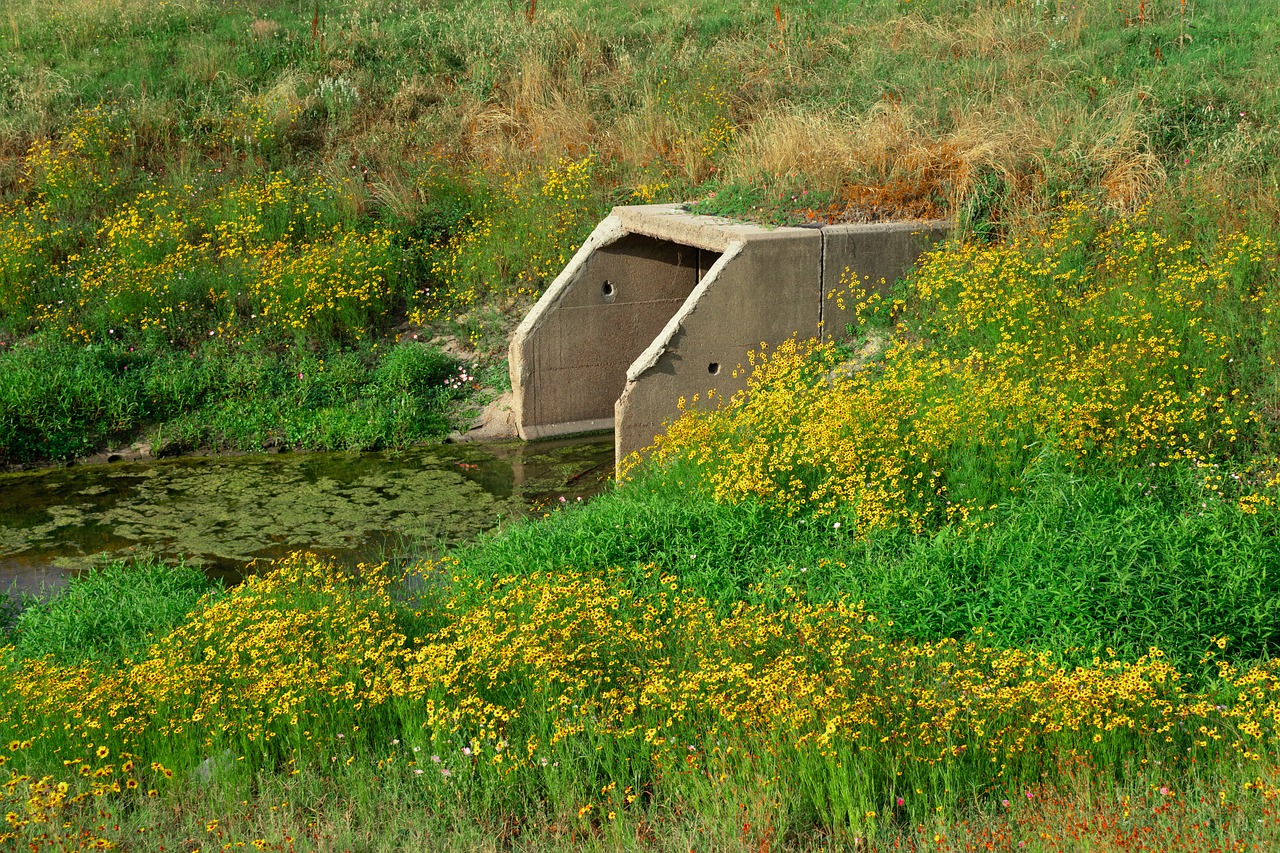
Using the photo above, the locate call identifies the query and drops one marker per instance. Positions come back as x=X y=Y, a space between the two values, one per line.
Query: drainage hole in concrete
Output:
x=607 y=291
x=713 y=368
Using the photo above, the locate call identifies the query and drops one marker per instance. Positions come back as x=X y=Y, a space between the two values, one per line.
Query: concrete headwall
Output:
x=660 y=304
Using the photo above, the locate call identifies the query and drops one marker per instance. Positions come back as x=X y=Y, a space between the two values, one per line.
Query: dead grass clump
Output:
x=36 y=98
x=891 y=164
x=282 y=101
x=1114 y=148
x=988 y=33
x=821 y=147
x=264 y=28
x=830 y=149
x=401 y=199
x=645 y=135
x=537 y=113
x=414 y=97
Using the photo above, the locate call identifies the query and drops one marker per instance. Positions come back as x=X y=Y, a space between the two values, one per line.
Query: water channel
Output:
x=220 y=513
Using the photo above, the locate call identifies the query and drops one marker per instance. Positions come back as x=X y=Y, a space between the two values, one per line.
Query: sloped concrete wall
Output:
x=871 y=256
x=575 y=347
x=660 y=304
x=764 y=290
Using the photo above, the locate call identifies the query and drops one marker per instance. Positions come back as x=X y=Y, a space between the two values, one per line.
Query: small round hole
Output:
x=607 y=291
x=714 y=368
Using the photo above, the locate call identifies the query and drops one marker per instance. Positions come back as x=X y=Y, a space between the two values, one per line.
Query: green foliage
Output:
x=1076 y=564
x=59 y=401
x=112 y=612
x=980 y=212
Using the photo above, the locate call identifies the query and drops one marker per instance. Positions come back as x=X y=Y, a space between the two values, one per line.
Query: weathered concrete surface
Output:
x=660 y=304
x=570 y=356
x=763 y=291
x=869 y=258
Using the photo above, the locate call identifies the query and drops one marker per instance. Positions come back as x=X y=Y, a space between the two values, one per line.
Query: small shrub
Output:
x=412 y=369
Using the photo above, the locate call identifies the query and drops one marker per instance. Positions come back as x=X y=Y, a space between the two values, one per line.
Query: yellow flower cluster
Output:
x=76 y=169
x=23 y=242
x=1018 y=349
x=260 y=121
x=271 y=255
x=651 y=193
x=516 y=672
x=337 y=286
x=703 y=127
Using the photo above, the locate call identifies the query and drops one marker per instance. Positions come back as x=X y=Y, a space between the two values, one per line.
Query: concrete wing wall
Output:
x=569 y=358
x=871 y=257
x=762 y=291
x=660 y=304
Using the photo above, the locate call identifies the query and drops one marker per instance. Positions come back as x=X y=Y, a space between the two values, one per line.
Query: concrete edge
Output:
x=673 y=223
x=911 y=226
x=652 y=353
x=534 y=433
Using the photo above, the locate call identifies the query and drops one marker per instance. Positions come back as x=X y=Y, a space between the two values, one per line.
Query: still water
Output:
x=221 y=513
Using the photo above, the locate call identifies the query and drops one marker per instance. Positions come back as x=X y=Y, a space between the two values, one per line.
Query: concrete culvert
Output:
x=700 y=290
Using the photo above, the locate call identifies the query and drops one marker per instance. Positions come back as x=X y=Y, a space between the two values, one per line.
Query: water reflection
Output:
x=221 y=513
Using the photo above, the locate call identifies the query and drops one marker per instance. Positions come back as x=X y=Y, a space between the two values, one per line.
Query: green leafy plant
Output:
x=111 y=612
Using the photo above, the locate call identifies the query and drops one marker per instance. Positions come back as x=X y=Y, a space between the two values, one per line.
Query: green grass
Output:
x=360 y=807
x=449 y=128
x=426 y=169
x=114 y=611
x=60 y=400
x=343 y=774
x=1076 y=565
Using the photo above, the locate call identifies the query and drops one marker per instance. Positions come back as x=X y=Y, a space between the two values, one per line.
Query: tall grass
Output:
x=1077 y=565
x=114 y=611
x=60 y=400
x=397 y=169
x=590 y=703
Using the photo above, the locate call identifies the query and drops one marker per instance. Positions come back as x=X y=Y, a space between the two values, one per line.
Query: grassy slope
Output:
x=473 y=120
x=459 y=132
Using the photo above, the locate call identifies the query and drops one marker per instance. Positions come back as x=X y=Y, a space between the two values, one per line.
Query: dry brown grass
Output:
x=989 y=32
x=892 y=159
x=416 y=96
x=651 y=136
x=1111 y=145
x=264 y=28
x=830 y=149
x=532 y=116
